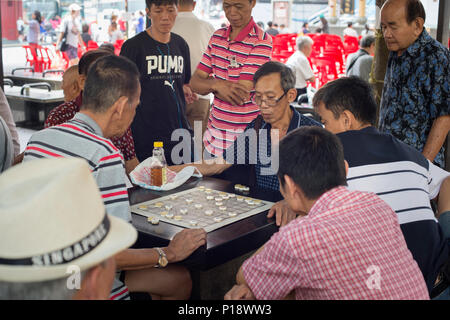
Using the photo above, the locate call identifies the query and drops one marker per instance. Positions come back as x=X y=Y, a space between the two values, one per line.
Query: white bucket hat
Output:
x=51 y=217
x=74 y=7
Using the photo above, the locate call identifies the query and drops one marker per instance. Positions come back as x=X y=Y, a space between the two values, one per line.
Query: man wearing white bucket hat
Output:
x=55 y=246
x=110 y=97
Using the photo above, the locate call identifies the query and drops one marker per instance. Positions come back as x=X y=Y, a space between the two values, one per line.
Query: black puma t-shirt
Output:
x=164 y=69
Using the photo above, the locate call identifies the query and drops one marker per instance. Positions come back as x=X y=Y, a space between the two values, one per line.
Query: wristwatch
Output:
x=162 y=261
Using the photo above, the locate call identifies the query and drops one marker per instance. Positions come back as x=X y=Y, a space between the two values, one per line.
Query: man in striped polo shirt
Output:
x=233 y=55
x=110 y=97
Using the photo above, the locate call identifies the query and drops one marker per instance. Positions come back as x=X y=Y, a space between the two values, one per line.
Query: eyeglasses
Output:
x=270 y=102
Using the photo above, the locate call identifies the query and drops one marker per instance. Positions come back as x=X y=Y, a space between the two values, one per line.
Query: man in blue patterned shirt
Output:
x=257 y=146
x=415 y=100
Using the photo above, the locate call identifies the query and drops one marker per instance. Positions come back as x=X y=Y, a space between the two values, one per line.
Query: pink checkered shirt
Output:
x=250 y=50
x=347 y=242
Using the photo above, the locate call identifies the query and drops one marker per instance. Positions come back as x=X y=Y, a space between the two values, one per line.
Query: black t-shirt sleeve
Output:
x=128 y=51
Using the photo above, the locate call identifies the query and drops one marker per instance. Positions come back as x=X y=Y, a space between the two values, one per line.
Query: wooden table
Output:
x=213 y=266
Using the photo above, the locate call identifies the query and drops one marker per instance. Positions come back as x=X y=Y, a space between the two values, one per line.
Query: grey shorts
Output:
x=72 y=52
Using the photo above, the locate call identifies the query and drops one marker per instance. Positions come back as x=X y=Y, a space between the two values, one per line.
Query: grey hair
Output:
x=287 y=76
x=302 y=41
x=45 y=290
x=367 y=41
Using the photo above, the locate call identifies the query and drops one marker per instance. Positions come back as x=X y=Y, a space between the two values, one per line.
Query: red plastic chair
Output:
x=351 y=45
x=33 y=57
x=44 y=57
x=118 y=46
x=325 y=70
x=92 y=45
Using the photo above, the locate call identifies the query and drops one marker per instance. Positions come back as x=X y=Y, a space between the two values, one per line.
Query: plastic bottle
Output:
x=158 y=172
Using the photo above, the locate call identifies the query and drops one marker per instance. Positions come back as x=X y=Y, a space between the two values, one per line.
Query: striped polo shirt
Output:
x=233 y=60
x=406 y=180
x=82 y=137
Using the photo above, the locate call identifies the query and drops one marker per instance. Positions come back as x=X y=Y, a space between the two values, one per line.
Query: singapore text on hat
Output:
x=51 y=217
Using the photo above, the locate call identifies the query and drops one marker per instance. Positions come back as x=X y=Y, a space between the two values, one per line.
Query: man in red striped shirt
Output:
x=110 y=97
x=233 y=55
x=330 y=252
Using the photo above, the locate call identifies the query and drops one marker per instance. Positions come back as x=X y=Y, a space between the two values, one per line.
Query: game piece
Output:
x=155 y=221
x=193 y=223
x=232 y=214
x=159 y=204
x=173 y=196
x=218 y=219
x=169 y=215
x=219 y=203
x=223 y=208
x=164 y=213
x=198 y=206
x=188 y=201
x=143 y=207
x=209 y=212
x=239 y=198
x=178 y=218
x=168 y=206
x=210 y=198
x=183 y=211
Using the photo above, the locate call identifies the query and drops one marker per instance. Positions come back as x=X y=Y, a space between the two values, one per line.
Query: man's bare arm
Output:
x=235 y=93
x=437 y=137
x=206 y=168
x=444 y=197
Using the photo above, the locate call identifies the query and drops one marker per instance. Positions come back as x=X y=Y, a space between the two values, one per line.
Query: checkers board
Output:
x=201 y=207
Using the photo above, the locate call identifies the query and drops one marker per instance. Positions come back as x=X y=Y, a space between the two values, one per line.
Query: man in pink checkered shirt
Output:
x=344 y=245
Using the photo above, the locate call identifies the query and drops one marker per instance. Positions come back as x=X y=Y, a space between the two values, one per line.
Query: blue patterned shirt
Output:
x=246 y=150
x=416 y=92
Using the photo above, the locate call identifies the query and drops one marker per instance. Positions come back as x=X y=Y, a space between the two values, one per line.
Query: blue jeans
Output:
x=445 y=295
x=444 y=222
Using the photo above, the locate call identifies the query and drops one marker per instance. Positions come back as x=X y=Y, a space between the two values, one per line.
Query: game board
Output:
x=201 y=207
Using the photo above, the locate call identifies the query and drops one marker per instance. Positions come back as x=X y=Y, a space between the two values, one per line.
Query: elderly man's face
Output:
x=271 y=98
x=398 y=34
x=238 y=12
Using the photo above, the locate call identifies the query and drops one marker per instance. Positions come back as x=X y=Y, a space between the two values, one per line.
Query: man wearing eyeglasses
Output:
x=257 y=146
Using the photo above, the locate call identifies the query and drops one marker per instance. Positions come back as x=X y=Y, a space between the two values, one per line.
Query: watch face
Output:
x=163 y=261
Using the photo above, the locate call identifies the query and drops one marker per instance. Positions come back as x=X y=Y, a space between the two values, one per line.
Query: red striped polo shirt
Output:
x=250 y=49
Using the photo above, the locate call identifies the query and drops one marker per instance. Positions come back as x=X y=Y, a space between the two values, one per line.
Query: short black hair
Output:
x=414 y=9
x=89 y=58
x=348 y=93
x=108 y=79
x=269 y=23
x=349 y=24
x=106 y=46
x=314 y=159
x=367 y=41
x=160 y=3
x=287 y=76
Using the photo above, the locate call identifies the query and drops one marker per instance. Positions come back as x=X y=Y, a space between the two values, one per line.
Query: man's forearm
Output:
x=444 y=197
x=436 y=137
x=204 y=168
x=202 y=86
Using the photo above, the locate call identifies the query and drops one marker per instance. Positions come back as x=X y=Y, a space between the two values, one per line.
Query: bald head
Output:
x=402 y=23
x=69 y=84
